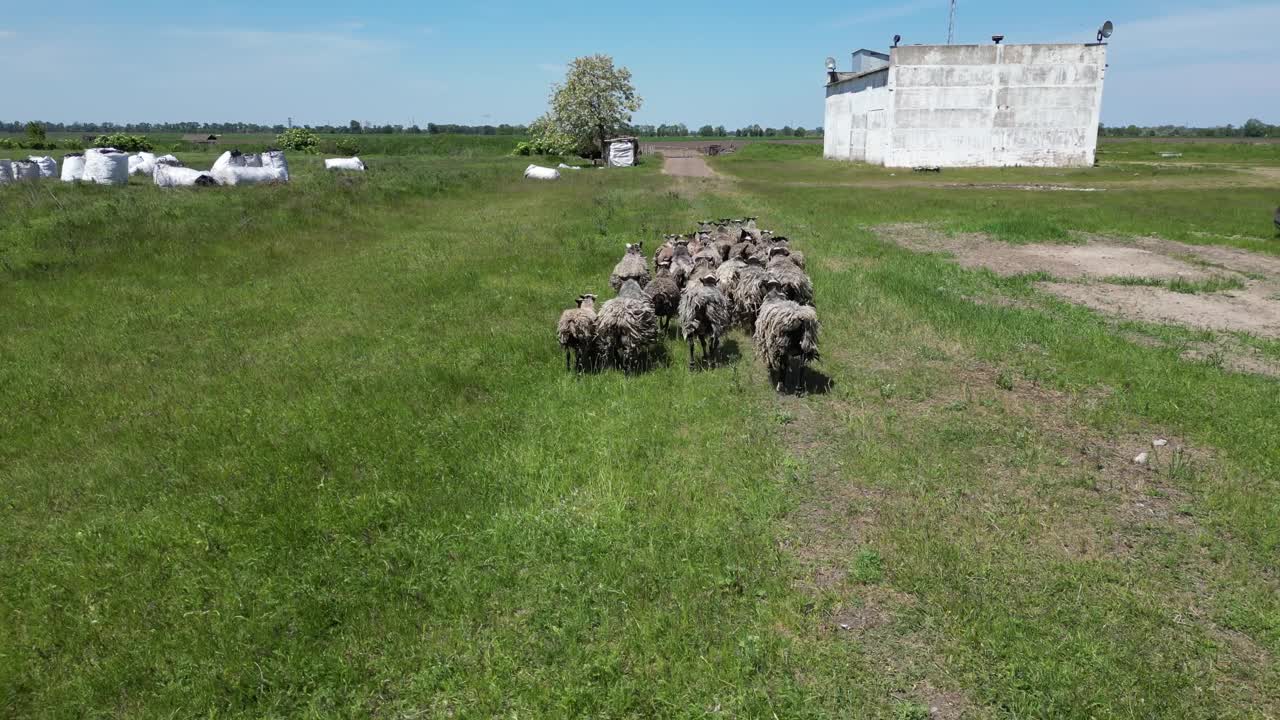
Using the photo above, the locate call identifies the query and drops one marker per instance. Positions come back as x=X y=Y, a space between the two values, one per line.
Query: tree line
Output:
x=1252 y=128
x=357 y=127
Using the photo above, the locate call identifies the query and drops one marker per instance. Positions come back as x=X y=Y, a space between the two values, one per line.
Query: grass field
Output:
x=310 y=451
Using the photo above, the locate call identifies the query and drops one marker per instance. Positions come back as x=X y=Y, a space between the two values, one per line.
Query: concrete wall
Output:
x=974 y=105
x=845 y=120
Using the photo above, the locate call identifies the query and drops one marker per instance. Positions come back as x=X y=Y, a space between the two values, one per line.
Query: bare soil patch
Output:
x=686 y=165
x=1254 y=309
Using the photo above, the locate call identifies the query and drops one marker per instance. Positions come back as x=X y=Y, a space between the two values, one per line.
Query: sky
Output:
x=731 y=64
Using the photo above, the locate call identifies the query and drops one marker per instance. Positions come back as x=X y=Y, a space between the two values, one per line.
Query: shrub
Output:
x=72 y=145
x=347 y=146
x=125 y=142
x=9 y=144
x=299 y=139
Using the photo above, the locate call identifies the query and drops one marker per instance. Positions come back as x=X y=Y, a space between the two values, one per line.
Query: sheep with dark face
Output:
x=705 y=314
x=681 y=262
x=632 y=266
x=748 y=293
x=663 y=292
x=708 y=253
x=576 y=332
x=795 y=282
x=664 y=251
x=626 y=327
x=786 y=334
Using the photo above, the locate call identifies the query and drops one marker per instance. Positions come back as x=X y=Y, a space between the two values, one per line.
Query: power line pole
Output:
x=951 y=25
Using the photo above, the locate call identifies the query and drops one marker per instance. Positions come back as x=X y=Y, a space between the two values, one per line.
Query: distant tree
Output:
x=799 y=132
x=596 y=100
x=706 y=131
x=35 y=132
x=1255 y=128
x=414 y=130
x=354 y=125
x=720 y=131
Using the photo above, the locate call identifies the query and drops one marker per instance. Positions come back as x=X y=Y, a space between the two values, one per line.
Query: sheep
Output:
x=748 y=292
x=665 y=251
x=351 y=163
x=749 y=229
x=632 y=266
x=681 y=262
x=576 y=331
x=704 y=313
x=663 y=292
x=727 y=274
x=710 y=253
x=794 y=281
x=786 y=334
x=626 y=327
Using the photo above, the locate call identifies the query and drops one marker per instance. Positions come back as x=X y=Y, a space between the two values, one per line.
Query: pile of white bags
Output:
x=351 y=163
x=166 y=175
x=275 y=159
x=72 y=167
x=142 y=164
x=48 y=166
x=106 y=166
x=169 y=160
x=25 y=170
x=537 y=172
x=6 y=171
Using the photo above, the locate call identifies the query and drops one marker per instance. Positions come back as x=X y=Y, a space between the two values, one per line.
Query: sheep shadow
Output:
x=730 y=353
x=808 y=382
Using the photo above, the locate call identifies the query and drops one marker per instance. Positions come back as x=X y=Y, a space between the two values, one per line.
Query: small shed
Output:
x=201 y=139
x=623 y=151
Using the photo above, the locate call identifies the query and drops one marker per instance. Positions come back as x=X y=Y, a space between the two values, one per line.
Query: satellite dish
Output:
x=897 y=39
x=831 y=64
x=1105 y=31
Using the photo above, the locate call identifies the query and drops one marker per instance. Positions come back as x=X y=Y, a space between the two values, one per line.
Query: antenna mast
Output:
x=951 y=25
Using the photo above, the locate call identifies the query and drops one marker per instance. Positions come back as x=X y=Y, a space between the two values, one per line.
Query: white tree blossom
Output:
x=594 y=102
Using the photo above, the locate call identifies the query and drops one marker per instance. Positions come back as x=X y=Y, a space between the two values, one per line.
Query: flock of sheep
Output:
x=727 y=273
x=108 y=166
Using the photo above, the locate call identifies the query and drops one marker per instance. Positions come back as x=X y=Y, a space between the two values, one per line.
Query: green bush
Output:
x=9 y=144
x=347 y=146
x=299 y=139
x=72 y=145
x=125 y=142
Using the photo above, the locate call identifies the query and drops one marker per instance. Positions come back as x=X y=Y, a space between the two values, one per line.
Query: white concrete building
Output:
x=968 y=106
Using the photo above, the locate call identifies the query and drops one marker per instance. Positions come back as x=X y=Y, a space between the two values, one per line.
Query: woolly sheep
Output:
x=626 y=327
x=632 y=266
x=576 y=332
x=727 y=275
x=786 y=334
x=665 y=251
x=704 y=314
x=663 y=292
x=795 y=283
x=748 y=293
x=681 y=262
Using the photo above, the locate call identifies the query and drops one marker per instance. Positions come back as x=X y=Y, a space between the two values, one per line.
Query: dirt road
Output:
x=688 y=164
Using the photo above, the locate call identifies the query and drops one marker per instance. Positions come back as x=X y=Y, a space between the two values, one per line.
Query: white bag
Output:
x=537 y=172
x=25 y=170
x=106 y=166
x=235 y=175
x=351 y=163
x=142 y=164
x=169 y=160
x=72 y=167
x=252 y=160
x=230 y=158
x=622 y=154
x=569 y=167
x=6 y=171
x=48 y=166
x=275 y=159
x=166 y=175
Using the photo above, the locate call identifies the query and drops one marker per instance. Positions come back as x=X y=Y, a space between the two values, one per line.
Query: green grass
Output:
x=309 y=450
x=1252 y=152
x=1216 y=284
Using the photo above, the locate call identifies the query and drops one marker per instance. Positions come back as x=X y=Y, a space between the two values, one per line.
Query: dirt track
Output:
x=687 y=165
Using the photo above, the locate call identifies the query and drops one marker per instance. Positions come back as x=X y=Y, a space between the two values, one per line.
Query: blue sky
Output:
x=733 y=64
